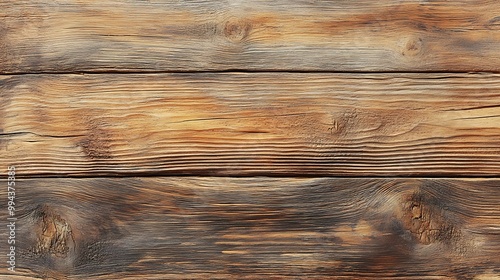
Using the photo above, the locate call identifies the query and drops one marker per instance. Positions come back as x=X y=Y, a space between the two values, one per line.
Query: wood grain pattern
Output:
x=257 y=228
x=172 y=35
x=84 y=92
x=251 y=124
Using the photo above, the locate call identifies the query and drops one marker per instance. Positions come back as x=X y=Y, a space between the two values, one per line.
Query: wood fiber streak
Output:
x=172 y=35
x=256 y=228
x=251 y=124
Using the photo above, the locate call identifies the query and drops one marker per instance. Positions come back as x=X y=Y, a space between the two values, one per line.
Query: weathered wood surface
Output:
x=251 y=124
x=172 y=35
x=257 y=228
x=286 y=124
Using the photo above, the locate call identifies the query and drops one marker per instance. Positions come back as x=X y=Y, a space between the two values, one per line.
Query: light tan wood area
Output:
x=251 y=124
x=257 y=228
x=172 y=35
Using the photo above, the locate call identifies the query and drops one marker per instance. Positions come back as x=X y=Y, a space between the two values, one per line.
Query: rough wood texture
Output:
x=251 y=124
x=257 y=228
x=172 y=35
x=125 y=118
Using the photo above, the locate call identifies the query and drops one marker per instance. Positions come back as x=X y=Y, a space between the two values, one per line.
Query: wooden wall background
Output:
x=297 y=139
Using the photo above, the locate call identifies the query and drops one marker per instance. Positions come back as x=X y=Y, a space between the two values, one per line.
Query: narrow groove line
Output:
x=263 y=71
x=277 y=176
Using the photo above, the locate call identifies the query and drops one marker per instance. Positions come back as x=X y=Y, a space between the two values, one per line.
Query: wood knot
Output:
x=237 y=29
x=55 y=236
x=426 y=220
x=412 y=47
x=416 y=211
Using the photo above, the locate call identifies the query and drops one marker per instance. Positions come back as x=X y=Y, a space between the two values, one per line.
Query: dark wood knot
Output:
x=237 y=29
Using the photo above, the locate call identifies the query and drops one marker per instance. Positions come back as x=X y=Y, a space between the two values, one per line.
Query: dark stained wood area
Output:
x=250 y=139
x=258 y=228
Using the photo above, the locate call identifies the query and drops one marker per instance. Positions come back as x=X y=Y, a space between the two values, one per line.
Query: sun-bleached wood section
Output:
x=256 y=228
x=251 y=124
x=171 y=35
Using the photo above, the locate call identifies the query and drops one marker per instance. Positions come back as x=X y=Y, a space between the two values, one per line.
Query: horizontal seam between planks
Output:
x=125 y=72
x=277 y=176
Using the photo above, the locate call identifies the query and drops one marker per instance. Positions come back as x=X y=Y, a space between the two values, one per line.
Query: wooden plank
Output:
x=171 y=35
x=251 y=124
x=256 y=228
